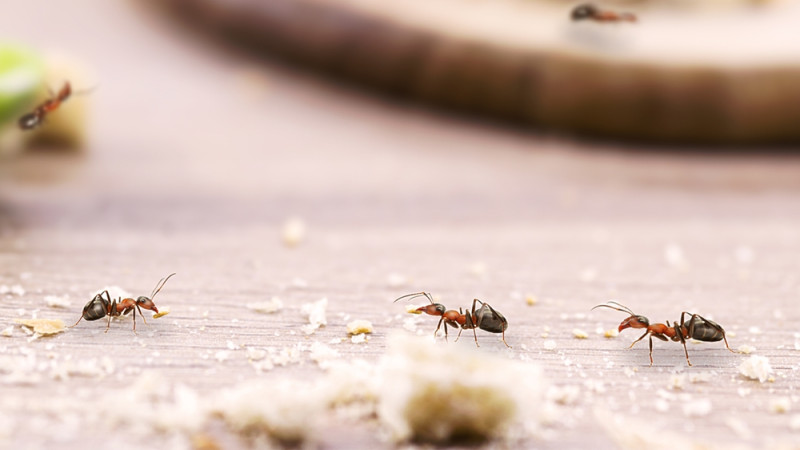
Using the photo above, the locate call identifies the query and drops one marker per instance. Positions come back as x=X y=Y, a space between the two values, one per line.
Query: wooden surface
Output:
x=197 y=159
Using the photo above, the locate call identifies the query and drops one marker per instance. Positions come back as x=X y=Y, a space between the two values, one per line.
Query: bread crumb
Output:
x=531 y=300
x=697 y=408
x=756 y=368
x=55 y=301
x=294 y=231
x=746 y=349
x=677 y=381
x=780 y=405
x=412 y=309
x=44 y=327
x=316 y=315
x=612 y=333
x=358 y=339
x=163 y=311
x=359 y=326
x=579 y=334
x=7 y=332
x=549 y=344
x=268 y=307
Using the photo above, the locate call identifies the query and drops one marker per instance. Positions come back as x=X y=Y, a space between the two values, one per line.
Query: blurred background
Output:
x=489 y=149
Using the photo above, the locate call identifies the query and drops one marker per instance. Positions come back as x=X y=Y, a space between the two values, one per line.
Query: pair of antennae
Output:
x=615 y=306
x=415 y=295
x=160 y=285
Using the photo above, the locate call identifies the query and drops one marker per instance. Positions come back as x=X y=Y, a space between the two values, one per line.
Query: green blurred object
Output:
x=21 y=76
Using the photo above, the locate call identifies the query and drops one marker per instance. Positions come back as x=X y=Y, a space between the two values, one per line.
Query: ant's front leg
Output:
x=640 y=338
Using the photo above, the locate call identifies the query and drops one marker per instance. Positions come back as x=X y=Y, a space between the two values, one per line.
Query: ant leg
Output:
x=459 y=334
x=640 y=338
x=108 y=324
x=687 y=353
x=79 y=319
x=476 y=336
x=437 y=329
x=141 y=314
x=651 y=351
x=503 y=337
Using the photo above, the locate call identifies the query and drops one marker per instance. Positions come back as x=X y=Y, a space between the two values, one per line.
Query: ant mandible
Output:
x=100 y=307
x=486 y=318
x=698 y=328
x=592 y=12
x=36 y=117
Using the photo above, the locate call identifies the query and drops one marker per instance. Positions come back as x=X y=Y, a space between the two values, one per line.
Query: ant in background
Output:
x=100 y=307
x=486 y=318
x=697 y=327
x=592 y=12
x=36 y=118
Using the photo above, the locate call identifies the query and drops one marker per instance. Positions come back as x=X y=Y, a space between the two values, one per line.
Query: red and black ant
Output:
x=100 y=307
x=486 y=318
x=592 y=12
x=36 y=118
x=697 y=327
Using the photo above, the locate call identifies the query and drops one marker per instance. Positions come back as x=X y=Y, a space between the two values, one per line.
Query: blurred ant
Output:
x=485 y=318
x=698 y=328
x=36 y=118
x=592 y=12
x=100 y=307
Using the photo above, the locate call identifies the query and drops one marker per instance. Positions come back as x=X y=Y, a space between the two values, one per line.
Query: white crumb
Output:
x=756 y=368
x=42 y=327
x=549 y=345
x=17 y=290
x=396 y=280
x=746 y=349
x=630 y=371
x=743 y=392
x=55 y=301
x=410 y=324
x=294 y=232
x=7 y=332
x=701 y=377
x=316 y=315
x=358 y=338
x=780 y=405
x=754 y=330
x=255 y=354
x=579 y=334
x=222 y=355
x=359 y=326
x=268 y=307
x=322 y=354
x=697 y=408
x=661 y=405
x=677 y=381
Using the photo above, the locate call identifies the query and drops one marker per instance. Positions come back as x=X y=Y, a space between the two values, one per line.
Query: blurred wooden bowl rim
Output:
x=659 y=80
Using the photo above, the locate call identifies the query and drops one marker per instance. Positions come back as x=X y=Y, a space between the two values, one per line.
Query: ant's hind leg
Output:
x=503 y=337
x=687 y=353
x=76 y=323
x=108 y=325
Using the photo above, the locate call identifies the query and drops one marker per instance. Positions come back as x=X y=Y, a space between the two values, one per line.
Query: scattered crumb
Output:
x=359 y=339
x=322 y=354
x=44 y=327
x=549 y=344
x=396 y=280
x=163 y=311
x=294 y=231
x=780 y=405
x=316 y=315
x=696 y=408
x=531 y=300
x=7 y=331
x=630 y=371
x=612 y=333
x=222 y=355
x=746 y=349
x=359 y=327
x=743 y=392
x=17 y=290
x=273 y=305
x=579 y=334
x=57 y=302
x=564 y=395
x=701 y=377
x=677 y=381
x=756 y=368
x=754 y=330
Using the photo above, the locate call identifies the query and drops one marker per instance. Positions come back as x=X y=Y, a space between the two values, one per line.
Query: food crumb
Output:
x=7 y=331
x=697 y=408
x=612 y=333
x=294 y=231
x=677 y=381
x=163 y=311
x=359 y=326
x=549 y=344
x=359 y=338
x=756 y=368
x=44 y=327
x=55 y=301
x=267 y=307
x=531 y=300
x=579 y=334
x=316 y=315
x=746 y=349
x=780 y=405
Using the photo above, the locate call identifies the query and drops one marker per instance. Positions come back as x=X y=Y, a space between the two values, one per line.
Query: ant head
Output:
x=434 y=309
x=584 y=11
x=146 y=303
x=634 y=322
x=29 y=121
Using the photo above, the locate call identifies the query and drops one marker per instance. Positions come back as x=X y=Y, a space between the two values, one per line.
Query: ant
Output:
x=100 y=307
x=486 y=318
x=36 y=118
x=592 y=12
x=697 y=327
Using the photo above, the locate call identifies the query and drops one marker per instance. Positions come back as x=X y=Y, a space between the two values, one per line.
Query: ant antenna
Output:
x=415 y=295
x=615 y=306
x=161 y=282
